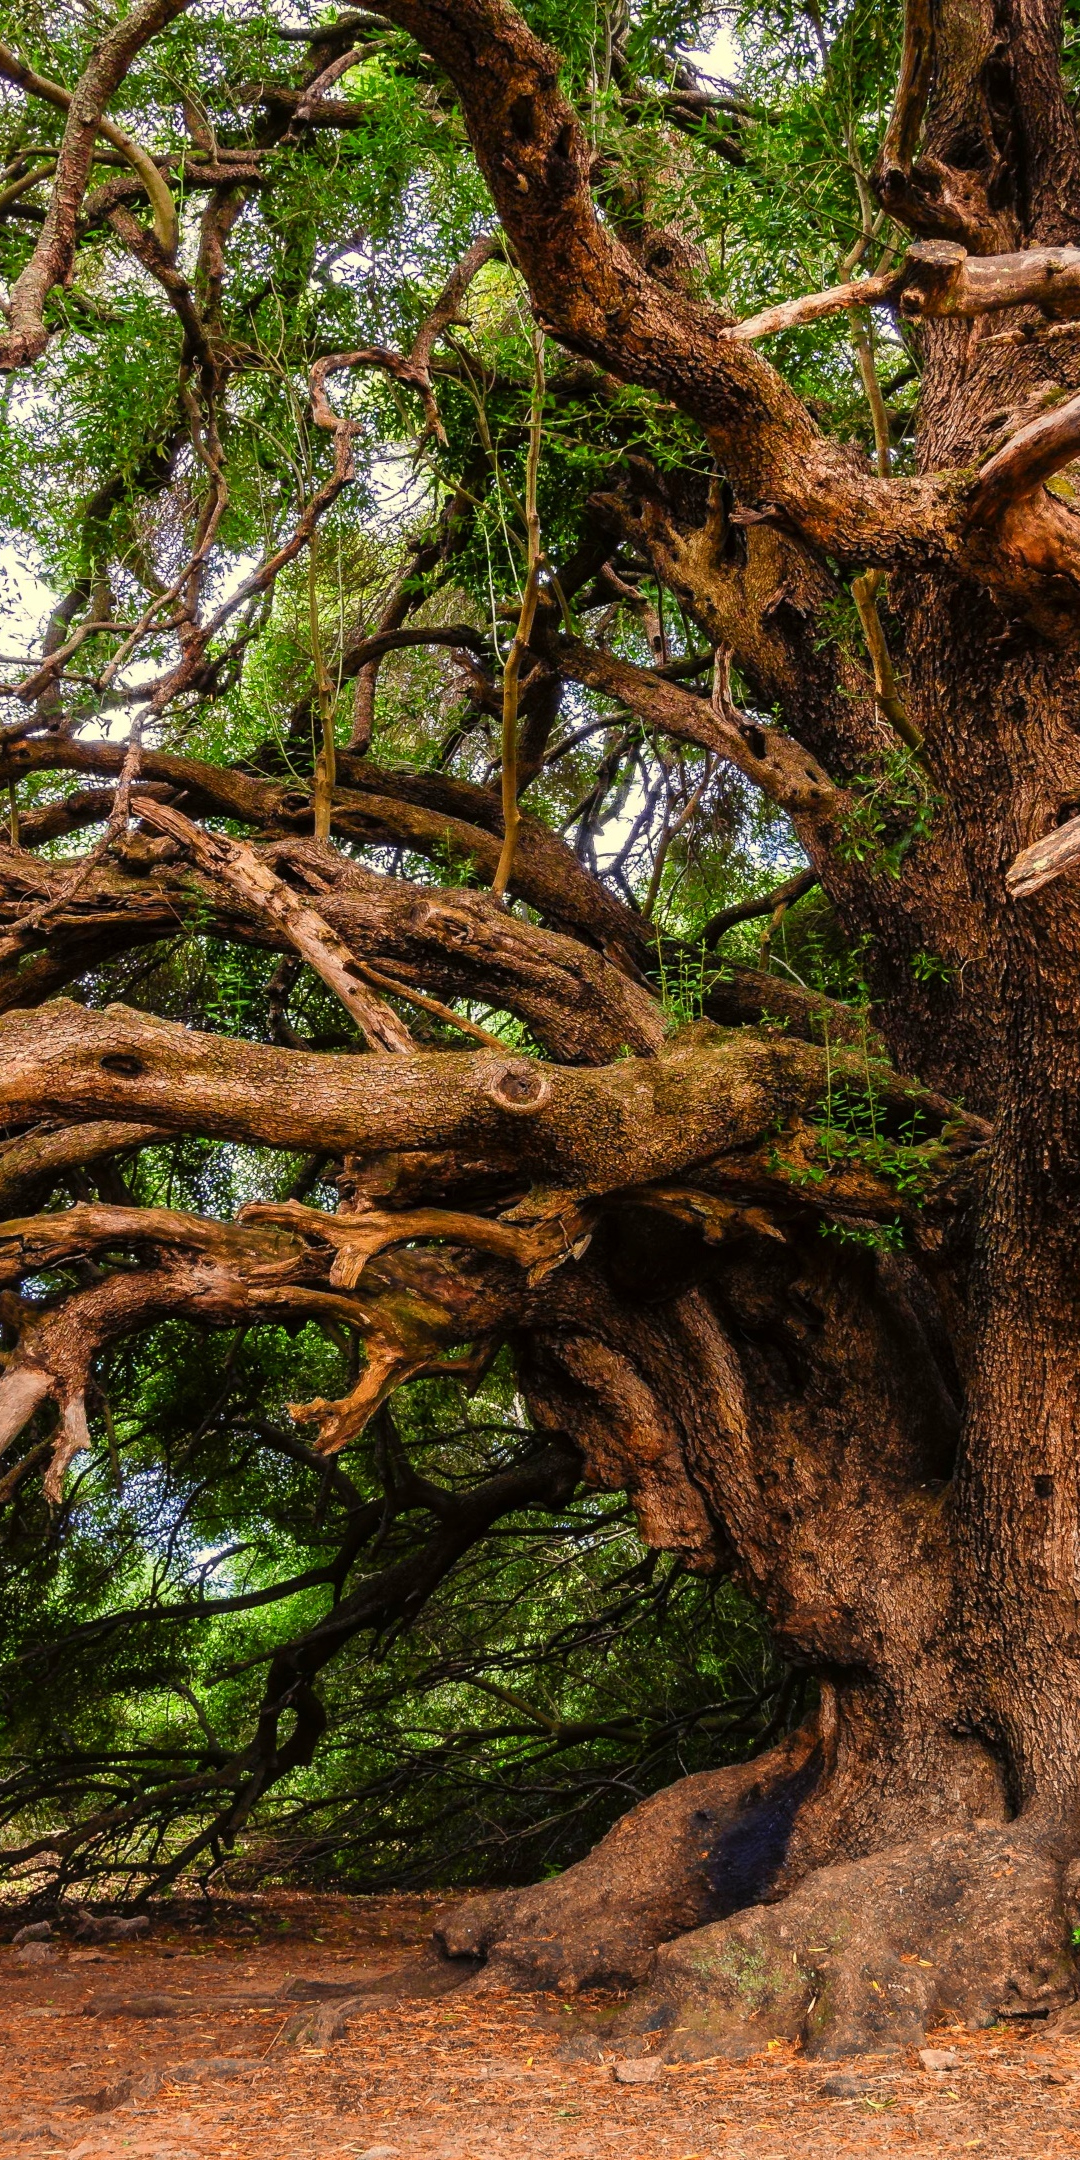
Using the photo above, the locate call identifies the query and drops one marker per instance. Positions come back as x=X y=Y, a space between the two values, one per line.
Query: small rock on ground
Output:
x=637 y=2070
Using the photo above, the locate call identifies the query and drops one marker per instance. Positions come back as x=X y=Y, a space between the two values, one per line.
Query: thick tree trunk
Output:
x=906 y=1854
x=1017 y=1496
x=698 y=1849
x=885 y=1454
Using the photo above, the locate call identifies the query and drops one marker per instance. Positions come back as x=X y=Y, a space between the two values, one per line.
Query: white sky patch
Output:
x=213 y=1560
x=25 y=604
x=720 y=56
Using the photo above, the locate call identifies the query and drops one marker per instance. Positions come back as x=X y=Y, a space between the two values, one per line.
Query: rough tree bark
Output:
x=881 y=1444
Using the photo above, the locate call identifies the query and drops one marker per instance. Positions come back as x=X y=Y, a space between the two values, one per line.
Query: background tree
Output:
x=462 y=630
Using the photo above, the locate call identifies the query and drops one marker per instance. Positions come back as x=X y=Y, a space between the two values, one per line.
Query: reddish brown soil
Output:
x=436 y=2075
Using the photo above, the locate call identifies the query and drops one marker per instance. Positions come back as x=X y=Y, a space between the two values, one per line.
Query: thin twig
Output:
x=512 y=669
x=326 y=759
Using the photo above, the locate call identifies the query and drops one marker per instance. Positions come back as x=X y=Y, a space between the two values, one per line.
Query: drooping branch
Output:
x=543 y=1474
x=56 y=1350
x=52 y=258
x=277 y=1258
x=890 y=704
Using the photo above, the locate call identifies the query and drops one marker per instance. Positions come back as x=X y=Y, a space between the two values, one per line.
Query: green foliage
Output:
x=892 y=811
x=928 y=967
x=683 y=980
x=906 y=1164
x=870 y=1237
x=560 y=1668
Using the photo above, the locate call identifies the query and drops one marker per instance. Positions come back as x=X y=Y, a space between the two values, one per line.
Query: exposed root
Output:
x=700 y=1848
x=862 y=1957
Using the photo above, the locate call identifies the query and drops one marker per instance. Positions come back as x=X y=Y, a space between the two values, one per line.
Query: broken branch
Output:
x=239 y=867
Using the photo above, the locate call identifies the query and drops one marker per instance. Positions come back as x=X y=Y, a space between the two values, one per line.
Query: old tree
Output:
x=521 y=509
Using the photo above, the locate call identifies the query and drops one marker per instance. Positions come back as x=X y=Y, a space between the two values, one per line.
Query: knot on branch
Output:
x=518 y=1088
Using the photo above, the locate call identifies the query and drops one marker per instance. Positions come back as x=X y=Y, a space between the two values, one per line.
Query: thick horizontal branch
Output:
x=279 y=1243
x=451 y=821
x=31 y=1243
x=36 y=1160
x=459 y=943
x=749 y=997
x=625 y=1134
x=593 y=1129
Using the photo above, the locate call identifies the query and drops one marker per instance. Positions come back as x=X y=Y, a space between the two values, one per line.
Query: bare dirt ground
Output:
x=200 y=2043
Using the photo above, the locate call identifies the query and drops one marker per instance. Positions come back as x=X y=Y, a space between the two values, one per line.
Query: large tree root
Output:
x=703 y=1847
x=865 y=1955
